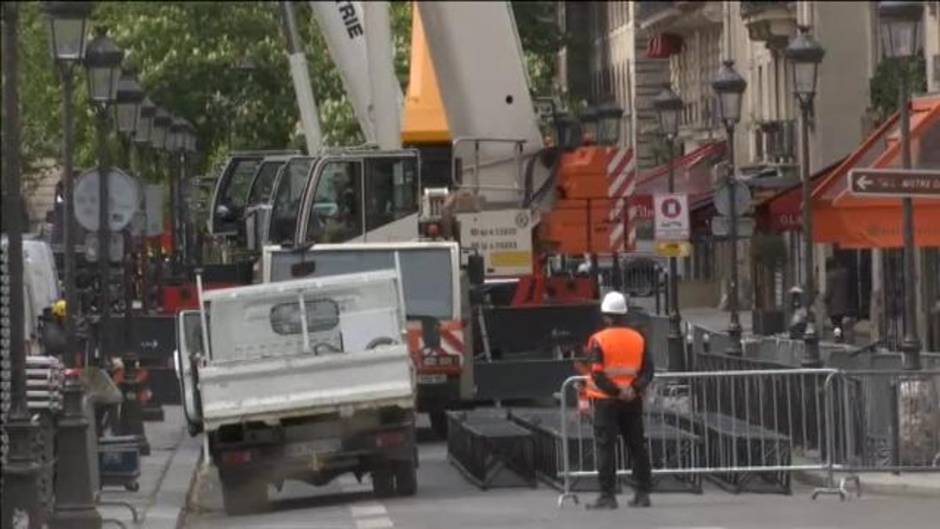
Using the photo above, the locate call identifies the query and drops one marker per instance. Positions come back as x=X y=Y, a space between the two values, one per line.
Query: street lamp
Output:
x=668 y=107
x=145 y=122
x=730 y=86
x=129 y=101
x=67 y=21
x=103 y=64
x=609 y=117
x=899 y=23
x=589 y=124
x=161 y=128
x=805 y=54
x=175 y=145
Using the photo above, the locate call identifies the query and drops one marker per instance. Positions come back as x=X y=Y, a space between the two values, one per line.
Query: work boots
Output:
x=640 y=499
x=602 y=502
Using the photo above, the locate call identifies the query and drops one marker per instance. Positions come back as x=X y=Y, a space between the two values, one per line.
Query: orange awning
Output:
x=853 y=221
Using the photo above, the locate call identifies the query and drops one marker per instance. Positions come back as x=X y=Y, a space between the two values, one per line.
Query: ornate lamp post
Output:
x=103 y=63
x=730 y=86
x=668 y=108
x=142 y=140
x=609 y=116
x=67 y=29
x=174 y=144
x=127 y=112
x=899 y=23
x=805 y=54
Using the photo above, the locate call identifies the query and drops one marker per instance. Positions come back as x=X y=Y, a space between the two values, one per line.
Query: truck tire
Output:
x=383 y=480
x=406 y=478
x=439 y=423
x=243 y=496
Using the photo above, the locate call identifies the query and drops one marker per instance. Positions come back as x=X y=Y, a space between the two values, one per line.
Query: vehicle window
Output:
x=392 y=190
x=261 y=187
x=322 y=315
x=426 y=275
x=238 y=186
x=335 y=215
x=289 y=193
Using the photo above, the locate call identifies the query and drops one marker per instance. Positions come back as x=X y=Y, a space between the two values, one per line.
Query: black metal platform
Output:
x=490 y=450
x=669 y=447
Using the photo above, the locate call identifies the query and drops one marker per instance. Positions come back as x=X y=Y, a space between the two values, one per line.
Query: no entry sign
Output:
x=671 y=217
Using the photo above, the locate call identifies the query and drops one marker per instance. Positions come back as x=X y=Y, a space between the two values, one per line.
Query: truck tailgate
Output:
x=275 y=388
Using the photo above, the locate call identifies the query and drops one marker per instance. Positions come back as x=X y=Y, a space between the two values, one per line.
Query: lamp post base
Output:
x=20 y=474
x=675 y=344
x=910 y=348
x=734 y=332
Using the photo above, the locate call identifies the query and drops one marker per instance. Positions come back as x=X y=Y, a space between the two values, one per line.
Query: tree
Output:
x=885 y=83
x=223 y=66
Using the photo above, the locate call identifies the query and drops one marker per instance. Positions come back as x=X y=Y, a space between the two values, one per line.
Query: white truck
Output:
x=301 y=380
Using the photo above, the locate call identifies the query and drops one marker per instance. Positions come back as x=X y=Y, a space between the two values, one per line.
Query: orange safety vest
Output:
x=622 y=348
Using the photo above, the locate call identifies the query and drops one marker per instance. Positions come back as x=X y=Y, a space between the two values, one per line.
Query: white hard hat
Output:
x=584 y=268
x=614 y=303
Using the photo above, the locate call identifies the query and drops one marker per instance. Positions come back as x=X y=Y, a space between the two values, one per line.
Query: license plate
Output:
x=438 y=378
x=312 y=448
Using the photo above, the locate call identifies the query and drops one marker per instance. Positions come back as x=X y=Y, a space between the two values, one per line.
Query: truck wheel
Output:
x=406 y=478
x=383 y=481
x=439 y=423
x=243 y=496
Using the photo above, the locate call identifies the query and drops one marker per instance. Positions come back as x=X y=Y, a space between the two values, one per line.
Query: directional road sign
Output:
x=895 y=182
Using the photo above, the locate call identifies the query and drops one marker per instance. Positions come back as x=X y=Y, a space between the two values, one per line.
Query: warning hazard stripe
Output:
x=451 y=339
x=621 y=170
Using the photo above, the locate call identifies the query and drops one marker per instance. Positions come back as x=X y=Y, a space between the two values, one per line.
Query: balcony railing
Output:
x=650 y=10
x=749 y=9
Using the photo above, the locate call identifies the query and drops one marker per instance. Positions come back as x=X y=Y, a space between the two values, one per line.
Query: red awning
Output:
x=861 y=222
x=692 y=172
x=784 y=210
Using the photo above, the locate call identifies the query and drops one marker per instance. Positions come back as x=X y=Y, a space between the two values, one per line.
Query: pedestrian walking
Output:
x=621 y=368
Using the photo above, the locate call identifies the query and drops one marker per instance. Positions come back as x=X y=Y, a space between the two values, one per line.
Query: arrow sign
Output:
x=897 y=183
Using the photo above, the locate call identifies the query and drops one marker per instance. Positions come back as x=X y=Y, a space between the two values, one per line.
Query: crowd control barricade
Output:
x=890 y=422
x=739 y=429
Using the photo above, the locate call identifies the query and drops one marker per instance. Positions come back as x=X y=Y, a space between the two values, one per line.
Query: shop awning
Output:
x=692 y=172
x=857 y=222
x=783 y=211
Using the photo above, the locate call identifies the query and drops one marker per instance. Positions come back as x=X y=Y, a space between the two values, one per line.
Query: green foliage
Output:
x=885 y=84
x=192 y=58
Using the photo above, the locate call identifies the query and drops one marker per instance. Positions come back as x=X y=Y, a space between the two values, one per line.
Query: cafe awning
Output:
x=852 y=221
x=692 y=172
x=783 y=211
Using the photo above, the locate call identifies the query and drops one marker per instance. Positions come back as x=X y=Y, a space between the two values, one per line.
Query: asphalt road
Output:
x=446 y=499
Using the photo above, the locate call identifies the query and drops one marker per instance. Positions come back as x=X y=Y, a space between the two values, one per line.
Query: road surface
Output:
x=446 y=499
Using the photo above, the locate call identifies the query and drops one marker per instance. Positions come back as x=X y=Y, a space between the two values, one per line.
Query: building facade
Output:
x=626 y=51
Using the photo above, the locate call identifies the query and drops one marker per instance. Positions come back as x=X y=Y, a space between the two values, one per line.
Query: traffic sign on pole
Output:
x=721 y=226
x=897 y=183
x=671 y=217
x=742 y=199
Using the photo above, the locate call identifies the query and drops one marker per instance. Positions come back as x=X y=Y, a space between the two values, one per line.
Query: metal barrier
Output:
x=735 y=427
x=891 y=423
x=741 y=428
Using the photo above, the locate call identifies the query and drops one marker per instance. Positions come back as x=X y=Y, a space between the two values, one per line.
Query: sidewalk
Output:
x=166 y=476
x=880 y=483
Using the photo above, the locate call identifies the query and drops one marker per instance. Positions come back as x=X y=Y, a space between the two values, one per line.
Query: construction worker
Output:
x=621 y=368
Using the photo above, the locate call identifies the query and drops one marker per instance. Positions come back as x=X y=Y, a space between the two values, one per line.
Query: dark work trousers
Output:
x=613 y=417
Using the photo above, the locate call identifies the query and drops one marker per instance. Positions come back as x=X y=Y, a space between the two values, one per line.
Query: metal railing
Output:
x=742 y=428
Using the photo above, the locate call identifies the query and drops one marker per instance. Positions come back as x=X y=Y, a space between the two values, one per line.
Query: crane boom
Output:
x=480 y=68
x=301 y=78
x=345 y=30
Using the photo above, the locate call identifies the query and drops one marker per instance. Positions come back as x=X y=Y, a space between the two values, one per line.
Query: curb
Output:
x=191 y=491
x=816 y=479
